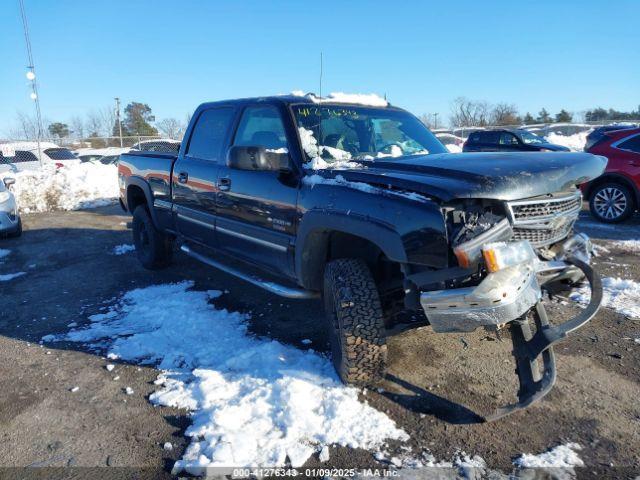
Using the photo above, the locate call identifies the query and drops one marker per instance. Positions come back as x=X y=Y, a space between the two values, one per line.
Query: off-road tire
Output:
x=615 y=190
x=355 y=322
x=153 y=248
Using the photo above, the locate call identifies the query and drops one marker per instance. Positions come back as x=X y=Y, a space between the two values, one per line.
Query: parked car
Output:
x=509 y=140
x=362 y=206
x=18 y=156
x=614 y=196
x=10 y=221
x=599 y=132
x=158 y=145
x=96 y=154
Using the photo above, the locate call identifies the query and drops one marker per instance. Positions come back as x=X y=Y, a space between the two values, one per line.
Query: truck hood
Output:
x=500 y=176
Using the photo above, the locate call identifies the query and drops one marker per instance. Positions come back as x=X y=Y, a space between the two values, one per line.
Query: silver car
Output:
x=10 y=223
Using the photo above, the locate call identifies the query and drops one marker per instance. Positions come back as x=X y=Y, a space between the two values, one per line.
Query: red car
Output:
x=615 y=195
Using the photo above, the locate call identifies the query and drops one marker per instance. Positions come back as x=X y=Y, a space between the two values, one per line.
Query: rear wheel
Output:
x=154 y=248
x=355 y=322
x=611 y=202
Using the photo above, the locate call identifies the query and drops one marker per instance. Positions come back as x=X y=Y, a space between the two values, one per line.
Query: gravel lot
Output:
x=436 y=382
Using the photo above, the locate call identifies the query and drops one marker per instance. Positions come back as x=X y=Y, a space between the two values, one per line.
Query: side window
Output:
x=490 y=137
x=632 y=144
x=474 y=137
x=261 y=126
x=24 y=156
x=209 y=133
x=507 y=138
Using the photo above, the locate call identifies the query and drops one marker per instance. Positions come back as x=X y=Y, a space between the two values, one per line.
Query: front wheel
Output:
x=355 y=322
x=611 y=202
x=154 y=248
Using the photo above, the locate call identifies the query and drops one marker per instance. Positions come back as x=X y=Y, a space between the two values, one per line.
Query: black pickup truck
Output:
x=363 y=207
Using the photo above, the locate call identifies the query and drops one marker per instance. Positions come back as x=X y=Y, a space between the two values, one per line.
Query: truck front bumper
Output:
x=507 y=299
x=505 y=295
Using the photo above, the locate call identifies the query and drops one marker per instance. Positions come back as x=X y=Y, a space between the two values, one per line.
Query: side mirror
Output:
x=8 y=181
x=258 y=158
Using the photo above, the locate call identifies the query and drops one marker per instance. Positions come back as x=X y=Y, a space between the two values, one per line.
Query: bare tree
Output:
x=469 y=113
x=77 y=126
x=25 y=128
x=505 y=114
x=93 y=124
x=171 y=128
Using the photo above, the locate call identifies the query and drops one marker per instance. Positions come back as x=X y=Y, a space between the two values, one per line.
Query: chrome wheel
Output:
x=610 y=203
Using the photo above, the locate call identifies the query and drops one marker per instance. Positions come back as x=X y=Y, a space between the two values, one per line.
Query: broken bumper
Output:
x=507 y=298
x=505 y=295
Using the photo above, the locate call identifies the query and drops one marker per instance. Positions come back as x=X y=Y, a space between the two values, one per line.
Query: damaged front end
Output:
x=505 y=263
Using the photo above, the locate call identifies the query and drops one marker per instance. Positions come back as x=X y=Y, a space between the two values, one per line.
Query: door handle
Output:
x=183 y=177
x=224 y=184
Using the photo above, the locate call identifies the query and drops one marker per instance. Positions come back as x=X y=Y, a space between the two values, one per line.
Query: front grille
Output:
x=544 y=220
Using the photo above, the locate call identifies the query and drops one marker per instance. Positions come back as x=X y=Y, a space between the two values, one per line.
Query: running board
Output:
x=278 y=289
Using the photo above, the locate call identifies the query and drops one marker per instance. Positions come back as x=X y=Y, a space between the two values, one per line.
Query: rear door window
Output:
x=490 y=137
x=23 y=156
x=209 y=134
x=632 y=144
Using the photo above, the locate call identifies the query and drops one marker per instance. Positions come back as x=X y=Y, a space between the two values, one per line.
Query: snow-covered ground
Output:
x=575 y=142
x=619 y=294
x=254 y=401
x=557 y=463
x=71 y=187
x=122 y=249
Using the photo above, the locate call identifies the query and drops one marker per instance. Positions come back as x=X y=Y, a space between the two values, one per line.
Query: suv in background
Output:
x=615 y=195
x=507 y=140
x=597 y=134
x=18 y=156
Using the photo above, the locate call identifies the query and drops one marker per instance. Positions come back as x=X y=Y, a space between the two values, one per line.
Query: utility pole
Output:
x=117 y=99
x=435 y=121
x=31 y=76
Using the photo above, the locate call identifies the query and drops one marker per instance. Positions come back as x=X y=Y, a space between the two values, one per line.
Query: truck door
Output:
x=195 y=174
x=257 y=209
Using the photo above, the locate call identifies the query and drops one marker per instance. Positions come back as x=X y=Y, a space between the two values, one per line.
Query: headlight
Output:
x=469 y=253
x=4 y=196
x=500 y=255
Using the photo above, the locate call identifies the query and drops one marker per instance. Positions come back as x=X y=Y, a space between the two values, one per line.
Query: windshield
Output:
x=528 y=137
x=60 y=154
x=340 y=132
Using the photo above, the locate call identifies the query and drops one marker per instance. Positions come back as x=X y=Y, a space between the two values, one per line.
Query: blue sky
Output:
x=174 y=55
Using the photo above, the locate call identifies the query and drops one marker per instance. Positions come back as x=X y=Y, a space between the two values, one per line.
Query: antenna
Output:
x=320 y=74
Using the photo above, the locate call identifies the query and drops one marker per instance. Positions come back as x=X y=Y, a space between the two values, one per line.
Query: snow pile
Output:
x=70 y=187
x=629 y=246
x=255 y=402
x=453 y=148
x=11 y=276
x=560 y=457
x=619 y=294
x=366 y=99
x=122 y=249
x=575 y=142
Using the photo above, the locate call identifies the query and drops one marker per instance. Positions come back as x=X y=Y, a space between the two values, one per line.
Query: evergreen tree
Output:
x=544 y=117
x=528 y=119
x=59 y=130
x=137 y=119
x=564 y=116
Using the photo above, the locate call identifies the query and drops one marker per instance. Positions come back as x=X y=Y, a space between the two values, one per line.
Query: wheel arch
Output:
x=138 y=193
x=323 y=237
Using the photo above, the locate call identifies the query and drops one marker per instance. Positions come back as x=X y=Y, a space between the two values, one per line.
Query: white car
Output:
x=18 y=156
x=10 y=222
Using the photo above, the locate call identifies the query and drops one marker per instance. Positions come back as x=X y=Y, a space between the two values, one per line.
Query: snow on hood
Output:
x=255 y=401
x=366 y=99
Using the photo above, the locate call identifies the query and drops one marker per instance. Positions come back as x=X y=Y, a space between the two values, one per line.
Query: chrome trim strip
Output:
x=258 y=241
x=162 y=204
x=278 y=289
x=198 y=222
